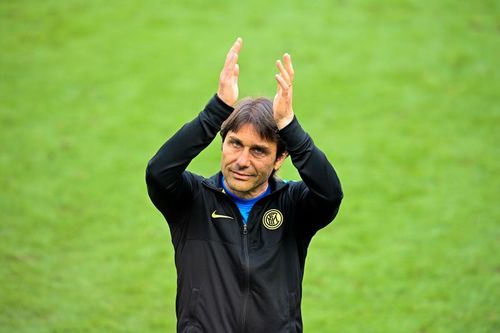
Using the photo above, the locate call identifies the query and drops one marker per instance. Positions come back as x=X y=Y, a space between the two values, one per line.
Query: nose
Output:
x=243 y=160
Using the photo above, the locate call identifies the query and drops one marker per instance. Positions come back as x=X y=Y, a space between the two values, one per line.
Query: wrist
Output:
x=224 y=99
x=285 y=121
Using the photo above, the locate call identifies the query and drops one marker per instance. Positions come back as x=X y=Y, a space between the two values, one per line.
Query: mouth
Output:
x=241 y=176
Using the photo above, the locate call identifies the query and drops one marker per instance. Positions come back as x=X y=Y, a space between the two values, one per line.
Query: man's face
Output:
x=248 y=161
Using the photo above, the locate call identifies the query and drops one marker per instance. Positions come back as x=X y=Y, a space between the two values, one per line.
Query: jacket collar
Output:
x=214 y=183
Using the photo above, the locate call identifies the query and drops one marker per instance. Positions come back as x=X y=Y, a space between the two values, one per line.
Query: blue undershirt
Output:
x=245 y=205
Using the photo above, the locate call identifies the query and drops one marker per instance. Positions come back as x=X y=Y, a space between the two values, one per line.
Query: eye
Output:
x=235 y=144
x=258 y=152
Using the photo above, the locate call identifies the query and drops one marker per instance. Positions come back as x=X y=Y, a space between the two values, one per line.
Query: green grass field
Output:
x=403 y=96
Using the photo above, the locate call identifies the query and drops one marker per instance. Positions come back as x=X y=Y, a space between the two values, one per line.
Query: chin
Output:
x=235 y=185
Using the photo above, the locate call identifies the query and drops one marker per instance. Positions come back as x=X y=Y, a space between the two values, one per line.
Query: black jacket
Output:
x=234 y=277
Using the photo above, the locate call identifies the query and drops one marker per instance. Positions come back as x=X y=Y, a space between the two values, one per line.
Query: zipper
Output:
x=246 y=261
x=247 y=274
x=244 y=232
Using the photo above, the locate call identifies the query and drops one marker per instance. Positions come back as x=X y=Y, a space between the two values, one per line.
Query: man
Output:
x=241 y=236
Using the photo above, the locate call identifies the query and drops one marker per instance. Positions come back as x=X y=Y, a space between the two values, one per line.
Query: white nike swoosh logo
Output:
x=217 y=216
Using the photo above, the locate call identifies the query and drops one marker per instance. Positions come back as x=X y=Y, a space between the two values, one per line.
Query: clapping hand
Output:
x=228 y=79
x=282 y=104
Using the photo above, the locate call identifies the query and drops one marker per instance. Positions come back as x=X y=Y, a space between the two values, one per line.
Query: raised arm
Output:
x=166 y=174
x=321 y=192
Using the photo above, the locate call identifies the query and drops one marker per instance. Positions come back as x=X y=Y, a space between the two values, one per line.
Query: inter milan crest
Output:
x=272 y=219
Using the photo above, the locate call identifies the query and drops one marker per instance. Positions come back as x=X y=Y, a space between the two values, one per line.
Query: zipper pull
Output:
x=245 y=229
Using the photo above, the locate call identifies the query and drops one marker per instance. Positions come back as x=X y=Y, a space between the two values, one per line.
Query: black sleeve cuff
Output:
x=294 y=136
x=217 y=111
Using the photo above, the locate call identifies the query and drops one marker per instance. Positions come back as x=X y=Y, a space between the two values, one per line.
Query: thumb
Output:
x=236 y=71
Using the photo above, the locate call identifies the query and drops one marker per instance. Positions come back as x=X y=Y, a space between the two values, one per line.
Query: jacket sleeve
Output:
x=169 y=184
x=320 y=193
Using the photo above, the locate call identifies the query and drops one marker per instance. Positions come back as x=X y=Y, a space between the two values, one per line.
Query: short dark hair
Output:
x=259 y=113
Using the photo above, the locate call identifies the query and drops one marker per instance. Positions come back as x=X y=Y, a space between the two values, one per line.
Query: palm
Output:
x=228 y=79
x=282 y=104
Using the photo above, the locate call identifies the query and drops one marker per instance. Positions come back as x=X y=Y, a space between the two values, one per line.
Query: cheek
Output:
x=265 y=167
x=227 y=156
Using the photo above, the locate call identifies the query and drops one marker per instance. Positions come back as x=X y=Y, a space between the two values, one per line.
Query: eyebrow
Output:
x=263 y=148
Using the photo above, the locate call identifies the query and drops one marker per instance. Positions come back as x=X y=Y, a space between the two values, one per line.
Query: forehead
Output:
x=248 y=135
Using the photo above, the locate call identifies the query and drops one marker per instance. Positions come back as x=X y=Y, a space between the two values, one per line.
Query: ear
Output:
x=279 y=161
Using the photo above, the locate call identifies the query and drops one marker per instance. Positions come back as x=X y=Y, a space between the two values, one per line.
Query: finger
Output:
x=227 y=63
x=234 y=60
x=235 y=48
x=283 y=71
x=287 y=59
x=279 y=88
x=229 y=57
x=231 y=62
x=236 y=71
x=237 y=45
x=285 y=87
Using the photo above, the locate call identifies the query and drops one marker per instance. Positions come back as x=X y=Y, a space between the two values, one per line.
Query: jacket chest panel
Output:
x=268 y=226
x=217 y=218
x=214 y=220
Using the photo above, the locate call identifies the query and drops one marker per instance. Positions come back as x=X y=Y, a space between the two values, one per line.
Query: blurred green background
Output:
x=403 y=96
